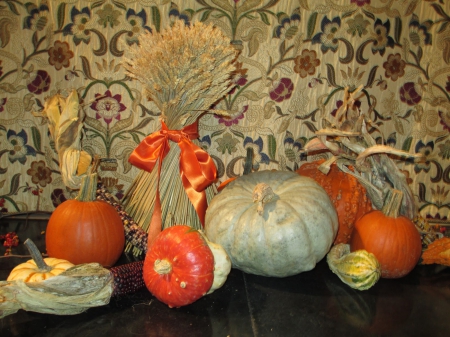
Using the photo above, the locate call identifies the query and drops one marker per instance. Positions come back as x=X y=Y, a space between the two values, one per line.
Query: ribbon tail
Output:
x=155 y=223
x=198 y=199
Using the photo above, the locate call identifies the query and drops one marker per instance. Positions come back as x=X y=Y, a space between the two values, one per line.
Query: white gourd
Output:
x=272 y=223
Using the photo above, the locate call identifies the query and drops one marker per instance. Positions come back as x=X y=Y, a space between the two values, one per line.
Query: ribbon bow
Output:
x=197 y=169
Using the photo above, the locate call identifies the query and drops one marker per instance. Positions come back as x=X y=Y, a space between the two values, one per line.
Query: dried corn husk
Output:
x=351 y=145
x=71 y=292
x=65 y=124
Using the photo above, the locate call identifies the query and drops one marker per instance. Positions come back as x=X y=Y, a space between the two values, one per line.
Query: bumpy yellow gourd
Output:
x=359 y=270
x=38 y=269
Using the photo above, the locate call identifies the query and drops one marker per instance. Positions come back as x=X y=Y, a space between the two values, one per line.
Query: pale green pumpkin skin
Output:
x=294 y=232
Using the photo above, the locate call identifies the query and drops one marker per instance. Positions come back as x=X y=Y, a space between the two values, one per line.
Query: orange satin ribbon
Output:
x=197 y=169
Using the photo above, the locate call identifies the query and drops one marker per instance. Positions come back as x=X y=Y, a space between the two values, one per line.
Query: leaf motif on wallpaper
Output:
x=61 y=15
x=285 y=124
x=123 y=157
x=372 y=75
x=142 y=124
x=36 y=135
x=331 y=75
x=48 y=156
x=95 y=124
x=269 y=109
x=264 y=131
x=237 y=133
x=282 y=163
x=6 y=24
x=405 y=49
x=350 y=52
x=113 y=44
x=156 y=18
x=252 y=38
x=220 y=166
x=103 y=44
x=14 y=186
x=398 y=125
x=86 y=68
x=10 y=88
x=122 y=124
x=253 y=96
x=311 y=25
x=406 y=146
x=271 y=146
x=398 y=29
x=285 y=69
x=2 y=183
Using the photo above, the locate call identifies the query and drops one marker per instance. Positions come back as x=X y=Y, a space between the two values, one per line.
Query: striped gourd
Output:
x=359 y=270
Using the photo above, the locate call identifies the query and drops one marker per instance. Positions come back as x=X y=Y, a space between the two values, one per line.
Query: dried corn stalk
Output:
x=351 y=145
x=65 y=123
x=184 y=70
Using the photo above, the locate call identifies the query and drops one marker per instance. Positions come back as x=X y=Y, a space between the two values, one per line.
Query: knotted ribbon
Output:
x=197 y=169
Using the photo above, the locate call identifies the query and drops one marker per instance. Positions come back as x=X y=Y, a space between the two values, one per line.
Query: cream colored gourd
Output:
x=272 y=223
x=222 y=264
x=38 y=269
x=359 y=269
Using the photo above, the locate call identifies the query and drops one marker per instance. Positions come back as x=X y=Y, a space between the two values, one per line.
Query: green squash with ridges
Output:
x=359 y=269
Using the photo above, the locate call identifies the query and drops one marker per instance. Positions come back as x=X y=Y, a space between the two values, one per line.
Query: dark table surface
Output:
x=314 y=303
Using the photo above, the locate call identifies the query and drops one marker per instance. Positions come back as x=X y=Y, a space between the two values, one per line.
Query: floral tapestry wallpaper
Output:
x=296 y=57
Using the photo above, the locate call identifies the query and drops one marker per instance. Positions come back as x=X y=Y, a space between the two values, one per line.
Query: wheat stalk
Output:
x=184 y=70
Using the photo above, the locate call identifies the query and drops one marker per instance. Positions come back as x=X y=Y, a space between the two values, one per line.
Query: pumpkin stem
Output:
x=88 y=188
x=162 y=267
x=262 y=194
x=36 y=256
x=392 y=203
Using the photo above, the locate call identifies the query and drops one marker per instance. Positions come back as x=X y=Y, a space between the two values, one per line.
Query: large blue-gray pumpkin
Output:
x=272 y=223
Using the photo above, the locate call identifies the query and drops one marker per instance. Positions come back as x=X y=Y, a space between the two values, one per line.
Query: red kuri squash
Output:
x=85 y=230
x=347 y=194
x=179 y=267
x=393 y=239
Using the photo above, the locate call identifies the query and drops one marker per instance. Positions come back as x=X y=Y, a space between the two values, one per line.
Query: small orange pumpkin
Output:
x=85 y=230
x=393 y=239
x=347 y=194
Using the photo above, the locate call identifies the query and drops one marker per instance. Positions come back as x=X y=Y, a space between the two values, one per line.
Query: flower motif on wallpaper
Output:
x=205 y=142
x=360 y=3
x=234 y=119
x=57 y=197
x=357 y=25
x=426 y=150
x=40 y=173
x=227 y=143
x=418 y=33
x=19 y=149
x=175 y=14
x=108 y=106
x=410 y=93
x=256 y=146
x=444 y=150
x=37 y=18
x=394 y=67
x=288 y=25
x=445 y=119
x=2 y=204
x=108 y=15
x=306 y=63
x=281 y=89
x=138 y=24
x=381 y=38
x=80 y=25
x=328 y=38
x=293 y=149
x=39 y=82
x=3 y=103
x=59 y=55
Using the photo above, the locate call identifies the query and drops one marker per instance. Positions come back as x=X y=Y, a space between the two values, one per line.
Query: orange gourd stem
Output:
x=88 y=188
x=36 y=256
x=392 y=203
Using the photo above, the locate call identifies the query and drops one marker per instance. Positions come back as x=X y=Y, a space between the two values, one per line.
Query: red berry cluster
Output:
x=10 y=240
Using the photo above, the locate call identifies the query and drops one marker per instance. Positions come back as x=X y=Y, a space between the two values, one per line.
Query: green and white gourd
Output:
x=272 y=223
x=359 y=269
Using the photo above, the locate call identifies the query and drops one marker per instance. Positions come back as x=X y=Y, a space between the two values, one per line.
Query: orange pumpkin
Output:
x=393 y=239
x=347 y=194
x=85 y=230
